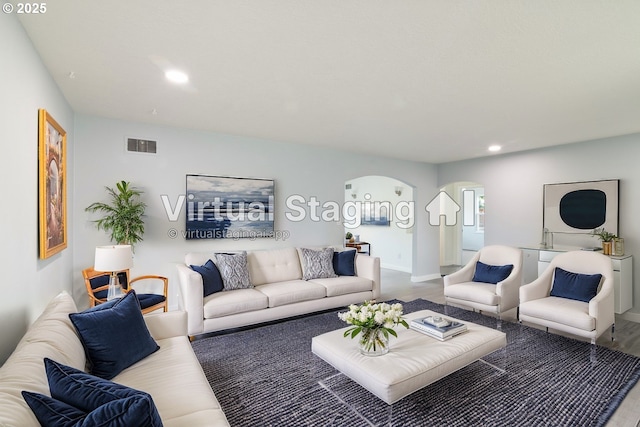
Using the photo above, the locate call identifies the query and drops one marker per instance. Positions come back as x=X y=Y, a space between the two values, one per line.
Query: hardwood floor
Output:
x=398 y=285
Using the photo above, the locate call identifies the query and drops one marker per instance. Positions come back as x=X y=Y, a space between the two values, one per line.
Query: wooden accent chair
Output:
x=97 y=283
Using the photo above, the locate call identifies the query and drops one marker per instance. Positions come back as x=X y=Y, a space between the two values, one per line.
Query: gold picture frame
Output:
x=52 y=185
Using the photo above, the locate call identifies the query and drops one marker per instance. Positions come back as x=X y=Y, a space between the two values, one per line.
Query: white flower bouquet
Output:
x=375 y=321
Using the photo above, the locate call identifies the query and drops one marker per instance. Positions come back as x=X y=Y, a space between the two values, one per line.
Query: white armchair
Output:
x=460 y=289
x=586 y=319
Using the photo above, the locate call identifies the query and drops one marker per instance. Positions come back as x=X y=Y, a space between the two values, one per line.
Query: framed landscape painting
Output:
x=52 y=185
x=221 y=207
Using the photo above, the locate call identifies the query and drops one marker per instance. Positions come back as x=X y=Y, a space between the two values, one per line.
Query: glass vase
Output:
x=373 y=342
x=618 y=247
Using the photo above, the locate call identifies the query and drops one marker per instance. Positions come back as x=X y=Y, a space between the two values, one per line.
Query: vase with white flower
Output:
x=374 y=323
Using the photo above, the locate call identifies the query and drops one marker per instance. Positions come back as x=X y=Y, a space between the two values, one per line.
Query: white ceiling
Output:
x=425 y=80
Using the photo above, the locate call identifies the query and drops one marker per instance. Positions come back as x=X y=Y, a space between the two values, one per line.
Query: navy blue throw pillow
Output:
x=580 y=287
x=344 y=263
x=114 y=335
x=211 y=278
x=51 y=412
x=81 y=390
x=81 y=399
x=491 y=273
x=128 y=411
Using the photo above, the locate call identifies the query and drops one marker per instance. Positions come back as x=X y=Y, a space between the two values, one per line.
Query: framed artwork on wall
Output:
x=224 y=207
x=580 y=207
x=376 y=213
x=52 y=185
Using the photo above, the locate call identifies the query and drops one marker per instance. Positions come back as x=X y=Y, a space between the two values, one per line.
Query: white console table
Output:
x=622 y=272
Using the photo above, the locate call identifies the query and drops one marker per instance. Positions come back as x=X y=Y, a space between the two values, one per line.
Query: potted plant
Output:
x=123 y=217
x=349 y=237
x=606 y=239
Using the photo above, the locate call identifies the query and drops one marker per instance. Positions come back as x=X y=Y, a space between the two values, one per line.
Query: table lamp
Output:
x=113 y=259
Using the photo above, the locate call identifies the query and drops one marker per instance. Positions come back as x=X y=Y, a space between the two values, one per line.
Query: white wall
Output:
x=393 y=244
x=513 y=190
x=28 y=283
x=297 y=170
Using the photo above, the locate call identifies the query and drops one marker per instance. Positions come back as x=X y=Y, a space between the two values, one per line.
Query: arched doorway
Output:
x=386 y=218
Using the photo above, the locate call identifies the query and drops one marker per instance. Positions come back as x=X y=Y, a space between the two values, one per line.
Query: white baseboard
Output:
x=633 y=317
x=395 y=267
x=425 y=278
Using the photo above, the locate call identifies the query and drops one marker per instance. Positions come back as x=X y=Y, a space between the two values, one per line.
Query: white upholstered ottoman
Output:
x=414 y=360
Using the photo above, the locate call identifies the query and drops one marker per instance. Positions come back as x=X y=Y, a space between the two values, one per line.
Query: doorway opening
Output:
x=459 y=242
x=385 y=224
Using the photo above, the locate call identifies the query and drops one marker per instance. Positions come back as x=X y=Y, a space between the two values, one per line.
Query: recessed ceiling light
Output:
x=176 y=76
x=494 y=148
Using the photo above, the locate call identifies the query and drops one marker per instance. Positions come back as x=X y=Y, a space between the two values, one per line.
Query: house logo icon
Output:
x=442 y=205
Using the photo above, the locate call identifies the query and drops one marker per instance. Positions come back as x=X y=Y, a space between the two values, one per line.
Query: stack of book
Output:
x=438 y=327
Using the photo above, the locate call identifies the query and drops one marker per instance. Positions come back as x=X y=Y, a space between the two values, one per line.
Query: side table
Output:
x=358 y=246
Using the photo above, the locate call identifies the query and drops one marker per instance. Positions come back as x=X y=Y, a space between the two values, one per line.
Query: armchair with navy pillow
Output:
x=489 y=282
x=574 y=295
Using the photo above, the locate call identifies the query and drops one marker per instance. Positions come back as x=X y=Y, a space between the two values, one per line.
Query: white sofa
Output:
x=172 y=375
x=278 y=291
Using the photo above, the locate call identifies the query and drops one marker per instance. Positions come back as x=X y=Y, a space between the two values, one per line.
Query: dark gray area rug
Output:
x=268 y=376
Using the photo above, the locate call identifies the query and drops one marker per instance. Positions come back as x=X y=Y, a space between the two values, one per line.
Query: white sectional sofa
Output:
x=278 y=290
x=172 y=375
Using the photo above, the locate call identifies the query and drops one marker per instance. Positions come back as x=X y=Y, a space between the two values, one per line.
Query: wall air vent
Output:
x=136 y=145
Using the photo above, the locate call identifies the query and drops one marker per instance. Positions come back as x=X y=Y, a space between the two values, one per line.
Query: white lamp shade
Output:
x=113 y=258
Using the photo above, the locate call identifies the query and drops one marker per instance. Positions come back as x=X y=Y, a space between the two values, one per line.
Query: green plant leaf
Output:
x=355 y=332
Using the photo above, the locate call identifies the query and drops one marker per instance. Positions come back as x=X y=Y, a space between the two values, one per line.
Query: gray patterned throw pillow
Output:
x=234 y=271
x=317 y=264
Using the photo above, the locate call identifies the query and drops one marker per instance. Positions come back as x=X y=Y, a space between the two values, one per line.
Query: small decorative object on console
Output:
x=374 y=322
x=606 y=238
x=618 y=247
